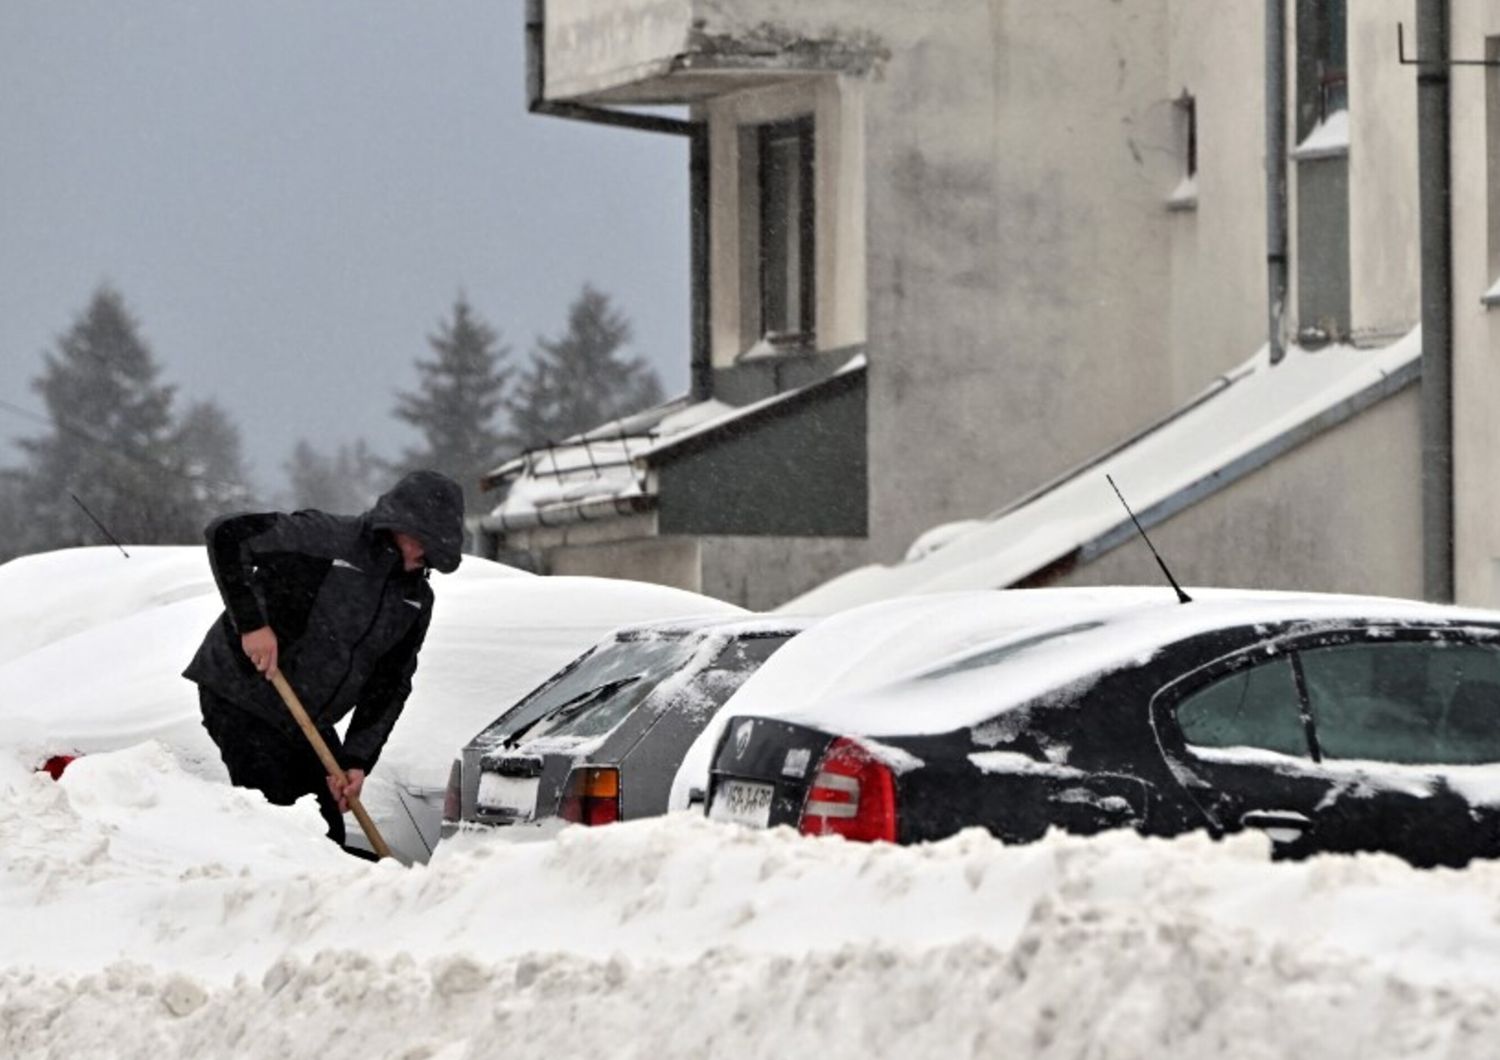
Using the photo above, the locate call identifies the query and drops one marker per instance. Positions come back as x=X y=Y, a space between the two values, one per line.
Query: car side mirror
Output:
x=1282 y=826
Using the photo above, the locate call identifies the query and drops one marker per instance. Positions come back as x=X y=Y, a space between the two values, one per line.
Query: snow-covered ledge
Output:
x=1328 y=139
x=1491 y=297
x=1185 y=195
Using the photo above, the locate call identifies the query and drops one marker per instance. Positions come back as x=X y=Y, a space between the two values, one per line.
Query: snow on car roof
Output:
x=966 y=688
x=865 y=647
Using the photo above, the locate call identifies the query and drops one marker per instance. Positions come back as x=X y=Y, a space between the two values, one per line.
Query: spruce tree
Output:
x=459 y=393
x=113 y=443
x=581 y=379
x=214 y=457
x=346 y=483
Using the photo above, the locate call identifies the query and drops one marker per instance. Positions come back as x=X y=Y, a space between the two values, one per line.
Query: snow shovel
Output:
x=330 y=763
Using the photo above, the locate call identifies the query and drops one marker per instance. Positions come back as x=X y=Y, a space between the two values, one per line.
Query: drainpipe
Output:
x=1434 y=184
x=701 y=373
x=1276 y=162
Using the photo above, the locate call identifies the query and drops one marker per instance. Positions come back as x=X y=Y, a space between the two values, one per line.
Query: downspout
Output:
x=1276 y=163
x=1434 y=183
x=701 y=372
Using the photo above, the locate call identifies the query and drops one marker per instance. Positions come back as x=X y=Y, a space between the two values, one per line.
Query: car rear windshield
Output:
x=591 y=698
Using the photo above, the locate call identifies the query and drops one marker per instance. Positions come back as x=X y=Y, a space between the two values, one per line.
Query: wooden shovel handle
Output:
x=330 y=763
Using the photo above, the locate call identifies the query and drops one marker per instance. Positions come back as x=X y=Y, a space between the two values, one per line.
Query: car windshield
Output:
x=593 y=696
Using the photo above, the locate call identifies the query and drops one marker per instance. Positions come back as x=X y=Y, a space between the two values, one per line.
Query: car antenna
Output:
x=1182 y=597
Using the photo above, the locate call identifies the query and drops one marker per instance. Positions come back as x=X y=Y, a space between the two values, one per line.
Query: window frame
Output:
x=1291 y=644
x=801 y=129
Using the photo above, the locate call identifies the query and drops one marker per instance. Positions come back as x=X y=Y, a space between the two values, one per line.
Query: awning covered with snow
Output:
x=1242 y=422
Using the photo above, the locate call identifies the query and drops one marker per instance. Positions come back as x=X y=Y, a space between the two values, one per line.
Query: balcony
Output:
x=645 y=52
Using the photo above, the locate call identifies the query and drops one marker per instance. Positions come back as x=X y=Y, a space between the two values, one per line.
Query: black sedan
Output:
x=1331 y=723
x=601 y=740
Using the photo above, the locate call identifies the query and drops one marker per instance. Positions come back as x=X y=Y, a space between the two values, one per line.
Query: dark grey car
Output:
x=601 y=740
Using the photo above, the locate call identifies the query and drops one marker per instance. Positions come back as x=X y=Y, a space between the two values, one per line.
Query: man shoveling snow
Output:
x=338 y=604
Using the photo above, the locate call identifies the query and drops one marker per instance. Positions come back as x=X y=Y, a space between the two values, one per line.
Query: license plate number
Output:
x=505 y=798
x=742 y=802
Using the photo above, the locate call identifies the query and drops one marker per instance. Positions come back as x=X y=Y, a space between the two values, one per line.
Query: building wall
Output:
x=763 y=572
x=1018 y=252
x=1476 y=331
x=1218 y=280
x=593 y=46
x=671 y=561
x=1282 y=527
x=1385 y=293
x=801 y=473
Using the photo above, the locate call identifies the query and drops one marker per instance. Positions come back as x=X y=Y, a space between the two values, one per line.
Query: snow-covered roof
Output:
x=597 y=467
x=604 y=471
x=1243 y=421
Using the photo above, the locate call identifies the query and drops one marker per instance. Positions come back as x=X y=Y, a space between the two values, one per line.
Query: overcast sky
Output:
x=290 y=194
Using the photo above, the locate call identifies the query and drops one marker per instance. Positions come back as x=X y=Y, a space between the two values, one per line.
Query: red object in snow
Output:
x=55 y=765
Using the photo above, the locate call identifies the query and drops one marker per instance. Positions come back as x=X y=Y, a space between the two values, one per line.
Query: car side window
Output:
x=1255 y=707
x=1411 y=702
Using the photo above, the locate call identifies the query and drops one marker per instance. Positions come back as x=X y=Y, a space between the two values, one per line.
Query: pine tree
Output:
x=346 y=483
x=459 y=394
x=214 y=456
x=113 y=445
x=579 y=380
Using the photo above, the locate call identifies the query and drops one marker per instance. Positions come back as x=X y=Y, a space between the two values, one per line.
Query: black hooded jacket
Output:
x=349 y=620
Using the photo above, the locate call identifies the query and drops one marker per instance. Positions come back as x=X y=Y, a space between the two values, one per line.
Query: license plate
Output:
x=742 y=802
x=503 y=798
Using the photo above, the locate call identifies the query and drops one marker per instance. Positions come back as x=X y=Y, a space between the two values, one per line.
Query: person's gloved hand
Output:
x=350 y=790
x=261 y=648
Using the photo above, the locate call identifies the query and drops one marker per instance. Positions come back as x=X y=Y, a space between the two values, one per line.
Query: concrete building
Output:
x=950 y=256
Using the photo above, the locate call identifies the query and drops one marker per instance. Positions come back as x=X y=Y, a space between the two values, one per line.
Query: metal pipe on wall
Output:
x=1276 y=163
x=1434 y=184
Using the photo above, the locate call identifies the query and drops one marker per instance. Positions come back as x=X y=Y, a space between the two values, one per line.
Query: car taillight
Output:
x=453 y=798
x=55 y=765
x=592 y=795
x=853 y=794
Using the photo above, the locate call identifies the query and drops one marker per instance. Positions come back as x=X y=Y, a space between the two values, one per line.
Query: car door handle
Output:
x=1282 y=826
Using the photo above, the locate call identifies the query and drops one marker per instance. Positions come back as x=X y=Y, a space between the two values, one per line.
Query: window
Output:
x=594 y=694
x=785 y=152
x=1322 y=156
x=1322 y=62
x=1185 y=195
x=1413 y=702
x=1257 y=707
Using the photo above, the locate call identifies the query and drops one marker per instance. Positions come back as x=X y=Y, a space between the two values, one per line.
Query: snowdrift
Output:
x=149 y=912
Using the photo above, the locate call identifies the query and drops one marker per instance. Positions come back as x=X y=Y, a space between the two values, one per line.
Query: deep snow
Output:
x=148 y=910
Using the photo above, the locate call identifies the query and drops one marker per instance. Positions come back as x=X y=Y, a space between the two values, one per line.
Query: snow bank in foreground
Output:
x=148 y=912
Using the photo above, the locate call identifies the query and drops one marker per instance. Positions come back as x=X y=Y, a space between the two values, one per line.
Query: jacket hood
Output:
x=430 y=507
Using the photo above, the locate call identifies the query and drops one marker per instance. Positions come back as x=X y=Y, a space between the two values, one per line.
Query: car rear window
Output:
x=1256 y=707
x=591 y=698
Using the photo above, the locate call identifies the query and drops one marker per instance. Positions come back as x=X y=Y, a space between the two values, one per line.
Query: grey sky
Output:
x=290 y=194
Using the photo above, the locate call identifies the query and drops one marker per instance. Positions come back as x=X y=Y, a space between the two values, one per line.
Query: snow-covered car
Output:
x=100 y=668
x=1330 y=723
x=866 y=647
x=601 y=740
